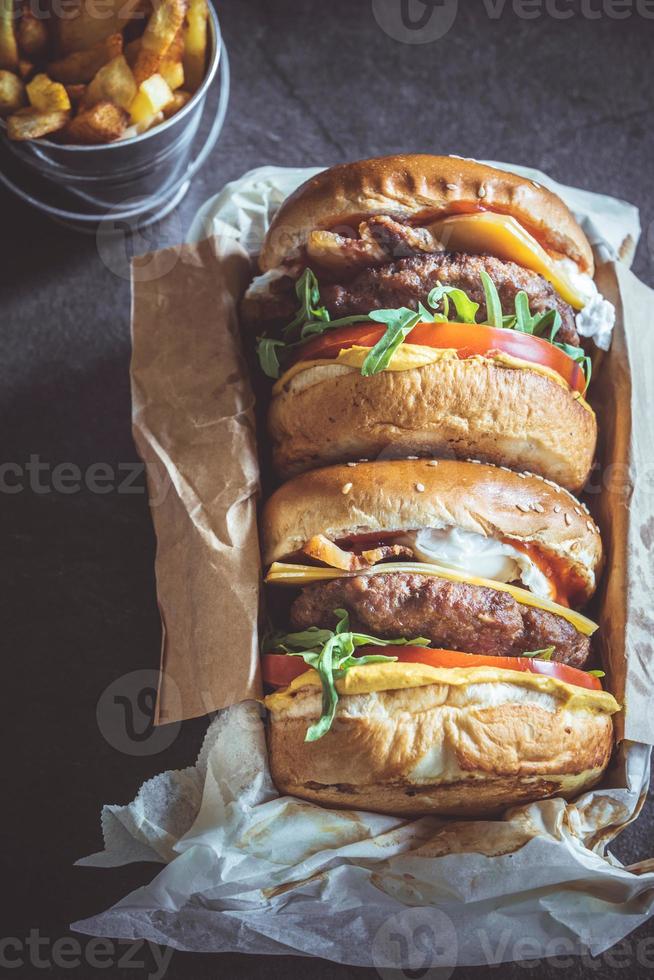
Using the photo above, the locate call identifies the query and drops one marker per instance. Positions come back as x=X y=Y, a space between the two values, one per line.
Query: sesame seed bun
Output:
x=452 y=407
x=420 y=187
x=402 y=495
x=476 y=745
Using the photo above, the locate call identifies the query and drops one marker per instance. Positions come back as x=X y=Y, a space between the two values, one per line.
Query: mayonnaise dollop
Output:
x=597 y=318
x=479 y=555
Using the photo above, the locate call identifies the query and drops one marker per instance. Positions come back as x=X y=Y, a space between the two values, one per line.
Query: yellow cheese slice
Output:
x=505 y=238
x=287 y=574
x=369 y=678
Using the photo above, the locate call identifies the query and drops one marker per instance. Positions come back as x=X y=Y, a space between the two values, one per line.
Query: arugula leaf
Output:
x=307 y=291
x=493 y=302
x=544 y=654
x=466 y=309
x=399 y=323
x=596 y=673
x=268 y=353
x=580 y=357
x=330 y=652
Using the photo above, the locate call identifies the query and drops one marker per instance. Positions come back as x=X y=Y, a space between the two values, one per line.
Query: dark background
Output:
x=313 y=82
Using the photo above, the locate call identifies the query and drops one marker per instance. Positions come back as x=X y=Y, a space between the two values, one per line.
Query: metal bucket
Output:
x=138 y=180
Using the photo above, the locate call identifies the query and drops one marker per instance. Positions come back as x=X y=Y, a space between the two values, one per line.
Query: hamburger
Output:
x=427 y=305
x=435 y=653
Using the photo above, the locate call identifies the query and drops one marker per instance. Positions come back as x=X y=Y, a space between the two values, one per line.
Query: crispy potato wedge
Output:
x=87 y=22
x=46 y=95
x=135 y=129
x=172 y=73
x=153 y=96
x=178 y=101
x=29 y=124
x=81 y=66
x=160 y=32
x=8 y=43
x=31 y=34
x=12 y=92
x=195 y=43
x=113 y=83
x=102 y=123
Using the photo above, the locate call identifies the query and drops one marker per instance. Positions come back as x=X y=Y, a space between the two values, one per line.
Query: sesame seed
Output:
x=557 y=508
x=577 y=512
x=351 y=464
x=523 y=508
x=451 y=187
x=412 y=457
x=432 y=462
x=539 y=508
x=522 y=476
x=482 y=191
x=420 y=487
x=363 y=460
x=590 y=525
x=568 y=519
x=346 y=488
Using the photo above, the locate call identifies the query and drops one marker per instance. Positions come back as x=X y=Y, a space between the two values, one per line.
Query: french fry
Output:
x=160 y=32
x=87 y=22
x=81 y=66
x=153 y=96
x=178 y=101
x=12 y=92
x=46 y=95
x=135 y=129
x=31 y=34
x=113 y=83
x=195 y=43
x=102 y=123
x=172 y=73
x=8 y=45
x=29 y=124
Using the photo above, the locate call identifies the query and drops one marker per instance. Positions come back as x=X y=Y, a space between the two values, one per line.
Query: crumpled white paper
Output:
x=249 y=871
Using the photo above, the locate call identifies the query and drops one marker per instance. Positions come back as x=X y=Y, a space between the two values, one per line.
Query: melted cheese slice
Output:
x=286 y=574
x=407 y=357
x=370 y=678
x=505 y=238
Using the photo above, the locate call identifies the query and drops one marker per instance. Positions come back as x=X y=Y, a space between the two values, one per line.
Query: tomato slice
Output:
x=279 y=669
x=468 y=339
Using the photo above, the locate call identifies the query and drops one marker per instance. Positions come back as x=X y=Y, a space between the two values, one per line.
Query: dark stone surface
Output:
x=314 y=82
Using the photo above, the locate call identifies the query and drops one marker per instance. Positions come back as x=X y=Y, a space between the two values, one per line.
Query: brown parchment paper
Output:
x=621 y=494
x=193 y=425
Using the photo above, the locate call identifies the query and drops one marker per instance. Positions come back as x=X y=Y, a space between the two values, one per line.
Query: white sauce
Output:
x=597 y=318
x=481 y=556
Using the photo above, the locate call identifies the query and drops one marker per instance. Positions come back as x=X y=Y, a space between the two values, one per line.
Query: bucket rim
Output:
x=198 y=96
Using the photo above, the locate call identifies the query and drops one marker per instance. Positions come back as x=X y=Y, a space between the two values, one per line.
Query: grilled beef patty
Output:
x=454 y=616
x=409 y=282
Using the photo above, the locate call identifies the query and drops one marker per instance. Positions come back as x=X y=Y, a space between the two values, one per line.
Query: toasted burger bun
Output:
x=468 y=747
x=395 y=495
x=472 y=407
x=420 y=187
